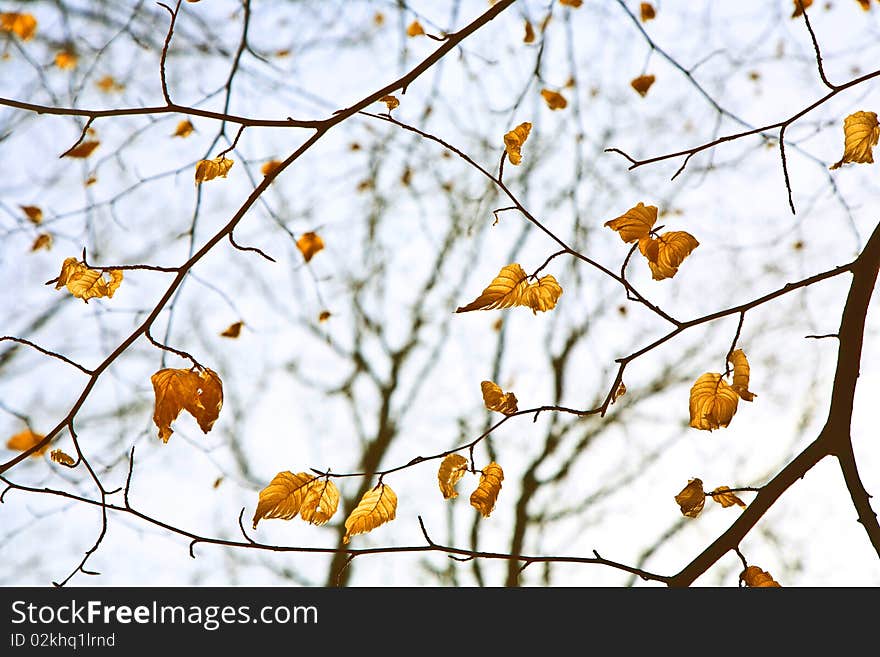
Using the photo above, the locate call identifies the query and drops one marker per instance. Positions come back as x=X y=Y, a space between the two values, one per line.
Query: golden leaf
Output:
x=642 y=84
x=865 y=4
x=496 y=399
x=26 y=439
x=324 y=316
x=309 y=244
x=691 y=499
x=320 y=502
x=451 y=471
x=799 y=6
x=861 y=132
x=390 y=102
x=198 y=393
x=43 y=241
x=91 y=180
x=83 y=150
x=184 y=129
x=24 y=26
x=415 y=29
x=378 y=19
x=33 y=213
x=572 y=3
x=233 y=330
x=741 y=375
x=635 y=224
x=283 y=497
x=712 y=402
x=60 y=457
x=514 y=140
x=210 y=169
x=529 y=36
x=554 y=100
x=108 y=84
x=647 y=11
x=270 y=167
x=85 y=283
x=666 y=253
x=66 y=59
x=376 y=507
x=725 y=498
x=755 y=577
x=484 y=497
x=511 y=288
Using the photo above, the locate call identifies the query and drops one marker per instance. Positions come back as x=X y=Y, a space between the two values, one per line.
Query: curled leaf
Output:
x=60 y=457
x=741 y=372
x=484 y=497
x=642 y=83
x=376 y=507
x=755 y=577
x=210 y=169
x=309 y=244
x=198 y=393
x=511 y=288
x=635 y=224
x=83 y=150
x=666 y=253
x=514 y=140
x=725 y=498
x=620 y=392
x=692 y=498
x=712 y=402
x=391 y=102
x=26 y=439
x=496 y=399
x=283 y=497
x=451 y=471
x=184 y=129
x=85 y=283
x=320 y=502
x=554 y=100
x=861 y=132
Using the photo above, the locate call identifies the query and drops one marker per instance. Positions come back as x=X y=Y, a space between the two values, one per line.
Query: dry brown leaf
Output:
x=755 y=577
x=692 y=498
x=799 y=6
x=91 y=180
x=572 y=3
x=309 y=244
x=620 y=392
x=514 y=140
x=83 y=150
x=198 y=393
x=864 y=4
x=320 y=502
x=741 y=373
x=210 y=169
x=725 y=498
x=24 y=26
x=33 y=213
x=26 y=439
x=635 y=224
x=666 y=253
x=233 y=330
x=860 y=133
x=66 y=59
x=712 y=402
x=283 y=497
x=109 y=84
x=647 y=12
x=270 y=167
x=391 y=102
x=184 y=129
x=60 y=457
x=324 y=316
x=415 y=29
x=554 y=100
x=43 y=241
x=529 y=36
x=484 y=497
x=85 y=283
x=451 y=471
x=496 y=399
x=511 y=288
x=376 y=507
x=642 y=84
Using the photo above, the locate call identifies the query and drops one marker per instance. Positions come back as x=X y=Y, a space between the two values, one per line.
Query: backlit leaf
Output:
x=484 y=497
x=233 y=330
x=755 y=577
x=283 y=497
x=83 y=150
x=415 y=29
x=198 y=393
x=666 y=253
x=60 y=457
x=511 y=288
x=320 y=502
x=514 y=140
x=712 y=402
x=741 y=372
x=376 y=507
x=529 y=36
x=33 y=213
x=725 y=498
x=647 y=11
x=634 y=224
x=26 y=439
x=184 y=129
x=451 y=471
x=692 y=498
x=554 y=100
x=391 y=102
x=860 y=132
x=309 y=244
x=496 y=399
x=210 y=169
x=85 y=283
x=24 y=26
x=66 y=59
x=43 y=241
x=642 y=84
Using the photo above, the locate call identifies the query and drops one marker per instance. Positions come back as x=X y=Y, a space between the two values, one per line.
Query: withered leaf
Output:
x=43 y=241
x=692 y=498
x=83 y=150
x=85 y=283
x=666 y=253
x=376 y=507
x=24 y=26
x=554 y=100
x=496 y=399
x=484 y=497
x=755 y=577
x=414 y=29
x=712 y=402
x=391 y=102
x=320 y=502
x=647 y=12
x=33 y=213
x=451 y=471
x=233 y=330
x=511 y=288
x=741 y=373
x=59 y=456
x=198 y=393
x=725 y=498
x=210 y=169
x=635 y=224
x=642 y=83
x=514 y=140
x=184 y=129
